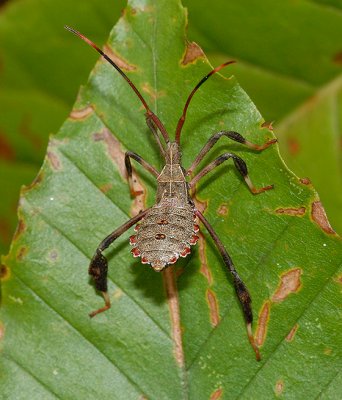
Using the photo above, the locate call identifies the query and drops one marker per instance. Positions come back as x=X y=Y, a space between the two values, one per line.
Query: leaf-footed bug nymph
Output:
x=167 y=230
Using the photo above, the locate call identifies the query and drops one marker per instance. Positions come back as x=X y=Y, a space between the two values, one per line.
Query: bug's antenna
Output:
x=149 y=114
x=182 y=118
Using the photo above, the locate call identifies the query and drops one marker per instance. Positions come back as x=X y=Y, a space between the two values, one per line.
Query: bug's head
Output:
x=173 y=153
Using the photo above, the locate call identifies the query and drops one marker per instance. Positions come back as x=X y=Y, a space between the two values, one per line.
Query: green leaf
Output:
x=289 y=58
x=50 y=346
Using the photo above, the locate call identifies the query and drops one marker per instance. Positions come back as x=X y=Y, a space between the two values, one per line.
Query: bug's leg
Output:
x=240 y=288
x=154 y=129
x=98 y=267
x=140 y=160
x=231 y=135
x=240 y=166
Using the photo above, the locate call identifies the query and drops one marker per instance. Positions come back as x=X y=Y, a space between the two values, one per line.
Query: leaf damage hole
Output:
x=279 y=387
x=82 y=113
x=292 y=333
x=320 y=217
x=117 y=155
x=217 y=394
x=291 y=211
x=289 y=283
x=213 y=308
x=261 y=330
x=193 y=52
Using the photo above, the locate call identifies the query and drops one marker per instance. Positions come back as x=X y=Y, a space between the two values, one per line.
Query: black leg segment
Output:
x=98 y=267
x=240 y=287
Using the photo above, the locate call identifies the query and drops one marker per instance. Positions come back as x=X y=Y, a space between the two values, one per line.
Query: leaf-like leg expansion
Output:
x=240 y=166
x=231 y=135
x=145 y=164
x=98 y=267
x=240 y=287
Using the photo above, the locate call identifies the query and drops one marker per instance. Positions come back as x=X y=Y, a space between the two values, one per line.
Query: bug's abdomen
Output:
x=165 y=234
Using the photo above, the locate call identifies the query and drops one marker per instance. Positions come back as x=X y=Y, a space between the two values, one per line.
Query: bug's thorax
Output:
x=172 y=187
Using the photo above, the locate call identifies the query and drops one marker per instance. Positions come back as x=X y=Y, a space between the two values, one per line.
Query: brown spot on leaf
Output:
x=261 y=330
x=192 y=53
x=53 y=255
x=36 y=181
x=154 y=94
x=279 y=387
x=118 y=156
x=291 y=211
x=320 y=217
x=337 y=59
x=173 y=302
x=339 y=279
x=292 y=333
x=118 y=60
x=4 y=272
x=6 y=149
x=305 y=181
x=204 y=270
x=327 y=351
x=22 y=251
x=54 y=160
x=216 y=395
x=213 y=308
x=2 y=331
x=81 y=113
x=106 y=187
x=293 y=146
x=289 y=283
x=20 y=229
x=268 y=125
x=223 y=209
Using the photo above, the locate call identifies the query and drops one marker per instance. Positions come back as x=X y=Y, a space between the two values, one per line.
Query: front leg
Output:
x=98 y=267
x=141 y=161
x=240 y=288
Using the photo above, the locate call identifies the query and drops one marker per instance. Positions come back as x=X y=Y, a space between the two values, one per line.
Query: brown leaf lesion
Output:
x=319 y=216
x=193 y=52
x=289 y=283
x=117 y=155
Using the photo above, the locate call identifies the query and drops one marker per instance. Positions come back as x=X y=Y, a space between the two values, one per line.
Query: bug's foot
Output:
x=260 y=190
x=104 y=308
x=252 y=342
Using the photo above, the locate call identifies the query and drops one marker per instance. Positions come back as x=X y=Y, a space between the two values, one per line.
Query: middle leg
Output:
x=240 y=166
x=231 y=135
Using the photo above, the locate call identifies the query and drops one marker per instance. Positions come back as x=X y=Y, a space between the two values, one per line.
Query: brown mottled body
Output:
x=167 y=230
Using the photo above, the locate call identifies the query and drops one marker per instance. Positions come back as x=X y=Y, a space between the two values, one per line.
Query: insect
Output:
x=167 y=230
